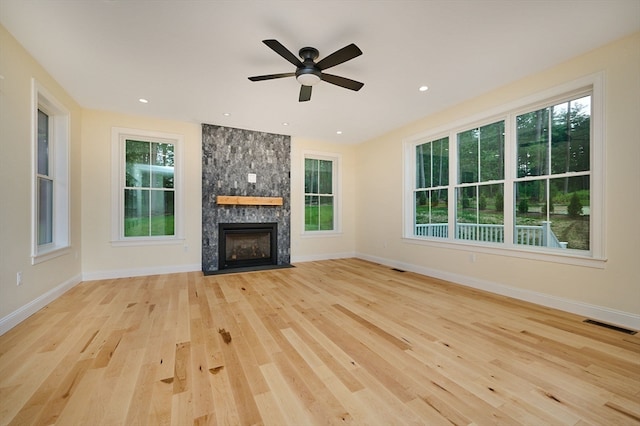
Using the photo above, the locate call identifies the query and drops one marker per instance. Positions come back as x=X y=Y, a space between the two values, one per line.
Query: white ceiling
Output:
x=191 y=59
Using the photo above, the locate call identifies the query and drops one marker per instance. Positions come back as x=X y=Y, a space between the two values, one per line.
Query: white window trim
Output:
x=337 y=190
x=119 y=135
x=59 y=140
x=596 y=257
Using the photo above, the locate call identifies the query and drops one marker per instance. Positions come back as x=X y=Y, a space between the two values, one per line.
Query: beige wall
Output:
x=614 y=288
x=100 y=257
x=313 y=247
x=18 y=68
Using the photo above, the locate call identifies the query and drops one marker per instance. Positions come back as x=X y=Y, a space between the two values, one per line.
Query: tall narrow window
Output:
x=44 y=205
x=552 y=189
x=147 y=192
x=431 y=195
x=480 y=189
x=320 y=205
x=51 y=176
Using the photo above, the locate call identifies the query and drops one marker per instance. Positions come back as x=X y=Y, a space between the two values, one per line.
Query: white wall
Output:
x=612 y=292
x=100 y=258
x=316 y=247
x=43 y=281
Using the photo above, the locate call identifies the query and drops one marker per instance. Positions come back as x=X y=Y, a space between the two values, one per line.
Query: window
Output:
x=431 y=195
x=320 y=202
x=529 y=181
x=480 y=188
x=147 y=194
x=51 y=176
x=552 y=196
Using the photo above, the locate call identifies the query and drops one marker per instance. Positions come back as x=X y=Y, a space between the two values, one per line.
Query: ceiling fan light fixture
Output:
x=308 y=78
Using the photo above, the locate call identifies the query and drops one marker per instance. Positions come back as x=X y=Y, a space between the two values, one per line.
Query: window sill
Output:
x=320 y=234
x=146 y=242
x=48 y=254
x=571 y=257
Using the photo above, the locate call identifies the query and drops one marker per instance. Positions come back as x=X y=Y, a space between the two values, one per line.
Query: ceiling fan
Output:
x=309 y=72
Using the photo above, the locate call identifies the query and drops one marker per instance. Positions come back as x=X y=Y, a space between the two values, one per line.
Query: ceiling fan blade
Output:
x=277 y=47
x=272 y=76
x=305 y=93
x=340 y=56
x=341 y=81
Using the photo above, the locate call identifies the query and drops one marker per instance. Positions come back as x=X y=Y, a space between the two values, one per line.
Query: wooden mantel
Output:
x=248 y=201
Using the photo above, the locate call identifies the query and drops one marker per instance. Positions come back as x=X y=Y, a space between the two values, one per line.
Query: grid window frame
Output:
x=595 y=256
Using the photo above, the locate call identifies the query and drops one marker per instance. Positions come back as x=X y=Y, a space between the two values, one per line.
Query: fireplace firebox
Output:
x=247 y=245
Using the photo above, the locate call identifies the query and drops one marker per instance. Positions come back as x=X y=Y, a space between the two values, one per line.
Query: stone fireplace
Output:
x=243 y=164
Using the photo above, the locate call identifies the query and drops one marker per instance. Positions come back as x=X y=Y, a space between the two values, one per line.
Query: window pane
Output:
x=43 y=143
x=480 y=213
x=138 y=166
x=468 y=156
x=431 y=213
x=162 y=171
x=45 y=211
x=311 y=213
x=432 y=164
x=569 y=211
x=423 y=165
x=310 y=176
x=532 y=143
x=491 y=147
x=136 y=213
x=532 y=221
x=162 y=213
x=570 y=138
x=440 y=159
x=325 y=177
x=325 y=213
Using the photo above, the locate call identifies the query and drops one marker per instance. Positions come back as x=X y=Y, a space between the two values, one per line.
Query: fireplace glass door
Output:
x=245 y=245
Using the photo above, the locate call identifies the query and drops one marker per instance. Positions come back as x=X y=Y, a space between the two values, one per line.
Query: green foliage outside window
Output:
x=319 y=197
x=149 y=196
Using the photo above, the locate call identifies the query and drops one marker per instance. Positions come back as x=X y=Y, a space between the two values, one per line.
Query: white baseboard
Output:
x=600 y=313
x=24 y=312
x=317 y=257
x=139 y=272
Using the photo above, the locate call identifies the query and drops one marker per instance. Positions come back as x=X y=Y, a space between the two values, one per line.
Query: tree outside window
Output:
x=480 y=189
x=552 y=190
x=431 y=194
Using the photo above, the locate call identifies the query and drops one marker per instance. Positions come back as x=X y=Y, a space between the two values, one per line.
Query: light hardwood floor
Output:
x=331 y=342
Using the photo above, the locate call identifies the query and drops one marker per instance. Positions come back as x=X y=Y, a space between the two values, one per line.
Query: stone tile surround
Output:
x=229 y=155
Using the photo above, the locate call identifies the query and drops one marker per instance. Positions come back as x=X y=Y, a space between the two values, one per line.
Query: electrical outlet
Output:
x=19 y=278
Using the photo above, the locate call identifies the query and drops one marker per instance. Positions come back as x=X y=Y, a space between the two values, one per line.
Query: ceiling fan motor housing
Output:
x=309 y=74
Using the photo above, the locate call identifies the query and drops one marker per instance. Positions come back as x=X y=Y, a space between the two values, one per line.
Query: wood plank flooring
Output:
x=331 y=342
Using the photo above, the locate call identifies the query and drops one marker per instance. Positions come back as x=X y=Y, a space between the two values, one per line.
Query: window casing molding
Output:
x=58 y=164
x=336 y=159
x=119 y=136
x=596 y=256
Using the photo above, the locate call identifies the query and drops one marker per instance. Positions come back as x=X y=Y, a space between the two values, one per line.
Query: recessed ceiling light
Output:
x=285 y=123
x=226 y=114
x=339 y=132
x=423 y=88
x=143 y=101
